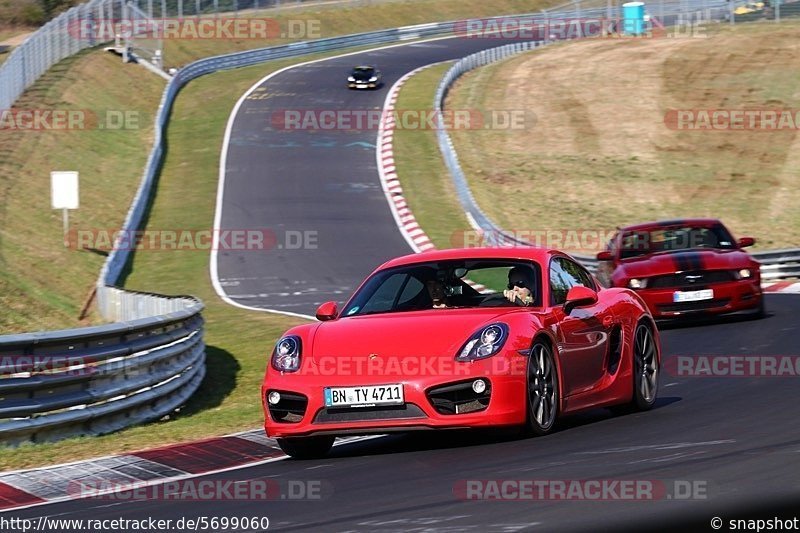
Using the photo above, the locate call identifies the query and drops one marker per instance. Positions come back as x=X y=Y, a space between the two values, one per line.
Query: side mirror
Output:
x=744 y=242
x=579 y=296
x=605 y=256
x=327 y=311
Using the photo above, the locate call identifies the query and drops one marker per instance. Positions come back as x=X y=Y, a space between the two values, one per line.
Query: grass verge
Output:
x=426 y=182
x=43 y=284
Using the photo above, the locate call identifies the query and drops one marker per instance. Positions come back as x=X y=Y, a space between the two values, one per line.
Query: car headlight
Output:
x=351 y=78
x=744 y=273
x=484 y=343
x=286 y=355
x=637 y=283
x=374 y=78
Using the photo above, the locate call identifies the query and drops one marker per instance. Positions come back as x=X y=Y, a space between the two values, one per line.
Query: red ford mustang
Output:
x=460 y=339
x=683 y=267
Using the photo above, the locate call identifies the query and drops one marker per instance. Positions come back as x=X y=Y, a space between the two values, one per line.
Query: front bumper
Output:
x=729 y=297
x=425 y=407
x=366 y=85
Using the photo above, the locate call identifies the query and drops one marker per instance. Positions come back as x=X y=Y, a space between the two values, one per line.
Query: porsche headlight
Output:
x=637 y=283
x=351 y=78
x=484 y=342
x=374 y=78
x=286 y=355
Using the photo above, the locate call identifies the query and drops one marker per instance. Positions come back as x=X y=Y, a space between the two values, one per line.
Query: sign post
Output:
x=64 y=195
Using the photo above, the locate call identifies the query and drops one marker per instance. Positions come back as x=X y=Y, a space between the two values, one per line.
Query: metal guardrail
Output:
x=100 y=379
x=776 y=265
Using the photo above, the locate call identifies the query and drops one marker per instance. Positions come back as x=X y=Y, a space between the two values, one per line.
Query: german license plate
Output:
x=693 y=296
x=368 y=396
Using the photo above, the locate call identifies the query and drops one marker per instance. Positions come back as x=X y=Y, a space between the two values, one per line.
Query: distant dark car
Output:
x=684 y=267
x=364 y=77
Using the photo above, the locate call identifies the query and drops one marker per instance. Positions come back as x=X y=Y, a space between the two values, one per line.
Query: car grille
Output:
x=693 y=306
x=361 y=414
x=686 y=280
x=291 y=408
x=459 y=398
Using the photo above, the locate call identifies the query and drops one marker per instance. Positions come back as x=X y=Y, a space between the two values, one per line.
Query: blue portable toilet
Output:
x=633 y=18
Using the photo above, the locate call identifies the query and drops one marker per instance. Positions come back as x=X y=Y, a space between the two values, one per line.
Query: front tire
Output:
x=542 y=390
x=645 y=368
x=306 y=447
x=762 y=309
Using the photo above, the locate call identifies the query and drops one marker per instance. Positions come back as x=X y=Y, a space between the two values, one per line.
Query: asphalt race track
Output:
x=321 y=186
x=738 y=438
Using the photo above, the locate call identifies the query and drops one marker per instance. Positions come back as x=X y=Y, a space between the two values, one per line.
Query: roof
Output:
x=528 y=253
x=701 y=222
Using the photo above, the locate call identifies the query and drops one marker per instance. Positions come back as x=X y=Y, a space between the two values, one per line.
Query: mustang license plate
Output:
x=693 y=296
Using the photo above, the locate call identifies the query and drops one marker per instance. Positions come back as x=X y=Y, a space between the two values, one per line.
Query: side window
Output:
x=383 y=297
x=559 y=283
x=612 y=245
x=578 y=273
x=565 y=274
x=411 y=291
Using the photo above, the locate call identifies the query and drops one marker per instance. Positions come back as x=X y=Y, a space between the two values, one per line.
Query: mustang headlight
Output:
x=744 y=273
x=286 y=355
x=484 y=342
x=637 y=283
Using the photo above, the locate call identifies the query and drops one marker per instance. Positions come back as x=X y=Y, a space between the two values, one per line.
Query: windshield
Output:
x=445 y=285
x=643 y=242
x=363 y=73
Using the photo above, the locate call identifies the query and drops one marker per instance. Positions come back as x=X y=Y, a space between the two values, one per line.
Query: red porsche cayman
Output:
x=460 y=339
x=684 y=267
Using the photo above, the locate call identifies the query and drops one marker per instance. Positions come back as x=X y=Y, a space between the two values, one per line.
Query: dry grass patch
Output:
x=600 y=154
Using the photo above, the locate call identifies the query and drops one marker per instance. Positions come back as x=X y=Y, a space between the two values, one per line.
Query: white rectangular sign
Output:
x=64 y=189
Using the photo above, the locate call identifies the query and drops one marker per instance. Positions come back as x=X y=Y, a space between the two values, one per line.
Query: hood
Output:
x=429 y=333
x=684 y=261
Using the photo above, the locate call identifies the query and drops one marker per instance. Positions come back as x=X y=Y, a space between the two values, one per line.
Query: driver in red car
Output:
x=520 y=286
x=437 y=293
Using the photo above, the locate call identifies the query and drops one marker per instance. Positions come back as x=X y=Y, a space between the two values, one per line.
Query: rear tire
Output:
x=306 y=447
x=542 y=390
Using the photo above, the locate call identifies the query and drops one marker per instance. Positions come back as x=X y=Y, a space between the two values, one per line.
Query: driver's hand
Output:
x=511 y=295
